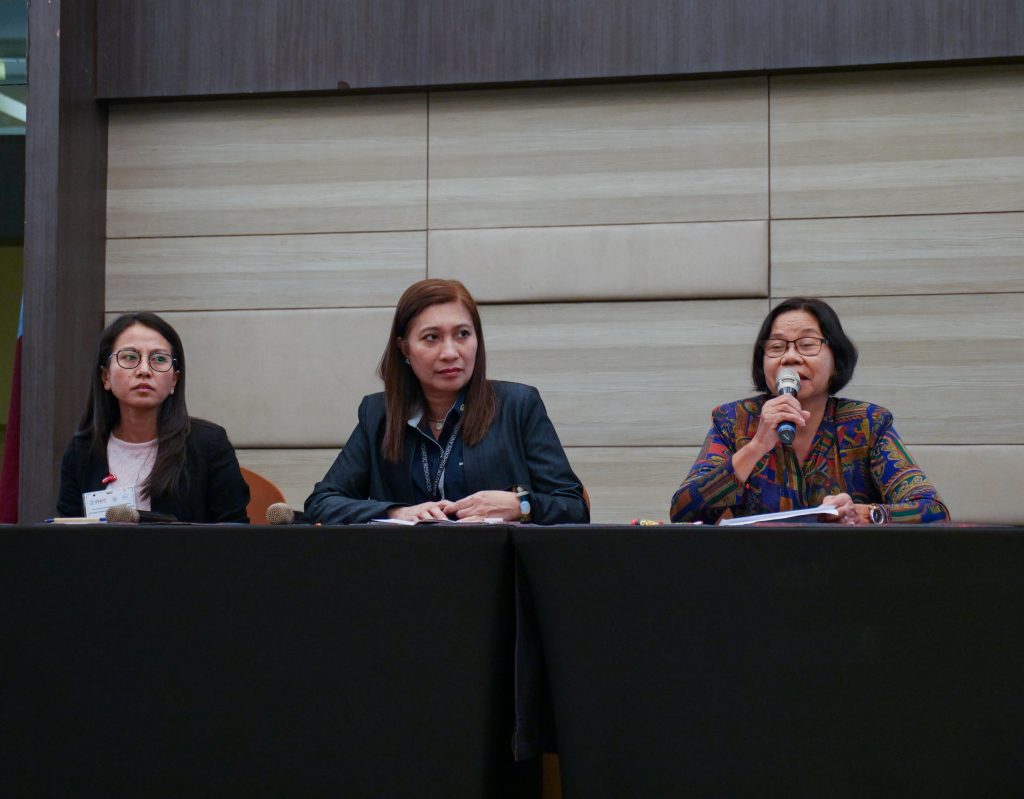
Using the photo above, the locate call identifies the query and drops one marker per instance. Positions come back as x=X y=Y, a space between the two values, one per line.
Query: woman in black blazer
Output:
x=136 y=432
x=442 y=441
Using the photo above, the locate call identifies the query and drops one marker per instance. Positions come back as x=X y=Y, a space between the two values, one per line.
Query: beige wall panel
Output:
x=311 y=165
x=628 y=483
x=294 y=471
x=950 y=368
x=282 y=378
x=587 y=155
x=978 y=483
x=898 y=142
x=252 y=272
x=952 y=254
x=627 y=374
x=713 y=259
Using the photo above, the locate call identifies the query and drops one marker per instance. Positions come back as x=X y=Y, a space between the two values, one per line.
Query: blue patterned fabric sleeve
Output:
x=906 y=492
x=711 y=487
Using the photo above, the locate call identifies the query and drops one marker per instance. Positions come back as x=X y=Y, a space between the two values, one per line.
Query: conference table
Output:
x=383 y=661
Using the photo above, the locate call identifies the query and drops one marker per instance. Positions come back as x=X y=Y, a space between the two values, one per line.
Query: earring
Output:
x=407 y=361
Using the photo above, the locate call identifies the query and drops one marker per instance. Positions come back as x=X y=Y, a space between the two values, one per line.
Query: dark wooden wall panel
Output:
x=163 y=48
x=480 y=41
x=825 y=33
x=65 y=184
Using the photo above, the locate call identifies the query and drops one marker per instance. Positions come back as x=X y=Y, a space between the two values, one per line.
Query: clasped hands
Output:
x=476 y=507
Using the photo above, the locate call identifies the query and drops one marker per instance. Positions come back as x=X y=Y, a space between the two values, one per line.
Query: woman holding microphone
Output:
x=840 y=452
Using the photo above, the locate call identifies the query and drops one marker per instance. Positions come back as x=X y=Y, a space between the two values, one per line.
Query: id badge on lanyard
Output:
x=97 y=502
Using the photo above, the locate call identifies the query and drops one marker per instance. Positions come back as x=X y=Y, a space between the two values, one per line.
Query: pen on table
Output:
x=658 y=523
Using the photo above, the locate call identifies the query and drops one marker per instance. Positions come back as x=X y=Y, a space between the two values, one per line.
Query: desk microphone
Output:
x=280 y=513
x=788 y=382
x=129 y=515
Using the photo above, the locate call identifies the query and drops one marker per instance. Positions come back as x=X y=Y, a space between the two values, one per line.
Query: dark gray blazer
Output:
x=521 y=448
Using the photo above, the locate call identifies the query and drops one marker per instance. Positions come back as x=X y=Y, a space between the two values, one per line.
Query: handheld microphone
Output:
x=129 y=515
x=788 y=382
x=280 y=513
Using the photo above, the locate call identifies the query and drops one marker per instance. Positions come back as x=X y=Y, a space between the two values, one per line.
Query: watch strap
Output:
x=525 y=508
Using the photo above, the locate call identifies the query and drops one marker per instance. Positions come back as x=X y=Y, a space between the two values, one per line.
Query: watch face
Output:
x=524 y=506
x=877 y=515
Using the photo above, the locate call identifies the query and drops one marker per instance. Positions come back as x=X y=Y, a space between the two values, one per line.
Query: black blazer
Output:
x=521 y=448
x=215 y=491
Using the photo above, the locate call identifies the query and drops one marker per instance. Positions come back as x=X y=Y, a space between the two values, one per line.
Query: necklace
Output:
x=438 y=424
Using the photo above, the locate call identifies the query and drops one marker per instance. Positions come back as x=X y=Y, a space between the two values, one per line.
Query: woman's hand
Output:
x=863 y=513
x=784 y=408
x=482 y=505
x=423 y=512
x=849 y=511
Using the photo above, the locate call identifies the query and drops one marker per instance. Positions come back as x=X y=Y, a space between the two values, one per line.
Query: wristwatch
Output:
x=877 y=514
x=525 y=510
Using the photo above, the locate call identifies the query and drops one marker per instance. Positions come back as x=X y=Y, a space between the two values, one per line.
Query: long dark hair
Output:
x=103 y=412
x=402 y=392
x=844 y=352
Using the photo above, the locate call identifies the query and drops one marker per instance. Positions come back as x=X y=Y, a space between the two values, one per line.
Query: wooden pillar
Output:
x=65 y=226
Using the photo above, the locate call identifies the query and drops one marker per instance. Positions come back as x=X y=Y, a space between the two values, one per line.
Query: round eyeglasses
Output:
x=806 y=346
x=130 y=359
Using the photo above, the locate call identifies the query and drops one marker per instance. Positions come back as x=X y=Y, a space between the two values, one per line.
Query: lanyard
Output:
x=433 y=484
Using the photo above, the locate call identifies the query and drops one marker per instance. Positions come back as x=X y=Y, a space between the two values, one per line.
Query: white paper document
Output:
x=488 y=520
x=827 y=510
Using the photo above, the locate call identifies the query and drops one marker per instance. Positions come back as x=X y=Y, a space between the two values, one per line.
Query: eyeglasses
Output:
x=807 y=346
x=130 y=359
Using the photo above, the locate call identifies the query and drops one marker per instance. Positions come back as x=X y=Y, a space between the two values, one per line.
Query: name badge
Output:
x=97 y=502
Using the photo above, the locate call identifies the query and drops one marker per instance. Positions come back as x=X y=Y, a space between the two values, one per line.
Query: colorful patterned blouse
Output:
x=856 y=450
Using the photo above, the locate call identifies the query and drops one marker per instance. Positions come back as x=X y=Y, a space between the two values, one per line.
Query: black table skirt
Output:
x=390 y=662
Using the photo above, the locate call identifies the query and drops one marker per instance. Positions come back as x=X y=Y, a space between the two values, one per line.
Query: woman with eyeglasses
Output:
x=842 y=452
x=442 y=441
x=136 y=434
